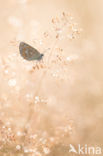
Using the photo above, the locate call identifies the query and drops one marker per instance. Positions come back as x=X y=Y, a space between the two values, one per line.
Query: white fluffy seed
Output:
x=46 y=150
x=12 y=82
x=18 y=147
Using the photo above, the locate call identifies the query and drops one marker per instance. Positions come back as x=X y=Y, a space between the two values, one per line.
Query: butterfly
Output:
x=29 y=53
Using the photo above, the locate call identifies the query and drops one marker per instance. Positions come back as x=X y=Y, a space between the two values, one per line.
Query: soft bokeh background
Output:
x=47 y=105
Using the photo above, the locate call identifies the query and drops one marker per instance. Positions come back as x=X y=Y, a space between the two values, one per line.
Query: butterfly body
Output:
x=29 y=53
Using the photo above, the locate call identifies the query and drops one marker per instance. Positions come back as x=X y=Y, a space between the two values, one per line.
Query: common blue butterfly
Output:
x=29 y=53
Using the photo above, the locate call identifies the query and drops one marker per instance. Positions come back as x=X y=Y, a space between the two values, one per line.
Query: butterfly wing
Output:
x=28 y=52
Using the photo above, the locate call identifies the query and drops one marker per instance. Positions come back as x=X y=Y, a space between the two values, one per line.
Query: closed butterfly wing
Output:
x=29 y=53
